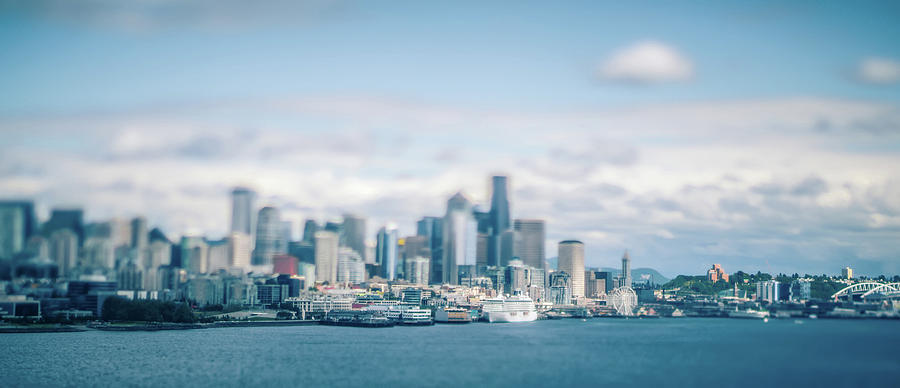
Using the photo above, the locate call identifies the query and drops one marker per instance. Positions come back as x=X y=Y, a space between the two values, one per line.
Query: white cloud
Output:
x=880 y=71
x=647 y=62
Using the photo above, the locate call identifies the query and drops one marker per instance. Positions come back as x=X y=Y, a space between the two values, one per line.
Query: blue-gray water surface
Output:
x=679 y=352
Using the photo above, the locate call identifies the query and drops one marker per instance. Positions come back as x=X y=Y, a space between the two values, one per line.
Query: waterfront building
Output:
x=350 y=268
x=242 y=209
x=271 y=294
x=571 y=261
x=460 y=231
x=847 y=273
x=594 y=284
x=716 y=273
x=800 y=290
x=768 y=291
x=269 y=235
x=411 y=295
x=89 y=295
x=205 y=290
x=63 y=247
x=354 y=234
x=560 y=292
x=386 y=252
x=326 y=248
x=432 y=228
x=535 y=278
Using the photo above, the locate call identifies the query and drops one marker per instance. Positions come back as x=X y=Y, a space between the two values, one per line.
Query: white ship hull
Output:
x=749 y=314
x=504 y=316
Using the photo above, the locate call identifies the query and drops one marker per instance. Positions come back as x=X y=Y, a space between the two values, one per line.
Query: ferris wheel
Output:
x=623 y=299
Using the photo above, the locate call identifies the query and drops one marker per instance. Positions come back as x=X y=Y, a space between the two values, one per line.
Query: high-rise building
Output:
x=514 y=278
x=560 y=292
x=287 y=232
x=800 y=290
x=847 y=273
x=268 y=236
x=71 y=219
x=242 y=209
x=716 y=273
x=460 y=239
x=63 y=245
x=626 y=271
x=433 y=229
x=768 y=291
x=594 y=286
x=285 y=264
x=239 y=243
x=529 y=242
x=608 y=279
x=159 y=254
x=310 y=227
x=354 y=234
x=417 y=270
x=139 y=234
x=194 y=254
x=410 y=247
x=17 y=225
x=218 y=255
x=350 y=267
x=326 y=256
x=500 y=219
x=386 y=252
x=571 y=261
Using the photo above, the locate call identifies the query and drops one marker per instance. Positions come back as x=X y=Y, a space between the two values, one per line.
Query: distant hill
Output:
x=636 y=273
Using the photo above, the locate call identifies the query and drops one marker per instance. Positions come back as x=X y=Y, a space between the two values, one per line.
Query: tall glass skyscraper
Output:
x=354 y=234
x=269 y=233
x=529 y=242
x=433 y=228
x=386 y=252
x=500 y=220
x=460 y=239
x=242 y=210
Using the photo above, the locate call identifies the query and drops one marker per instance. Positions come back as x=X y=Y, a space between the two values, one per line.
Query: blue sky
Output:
x=759 y=135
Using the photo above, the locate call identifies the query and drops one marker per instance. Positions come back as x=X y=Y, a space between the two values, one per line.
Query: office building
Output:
x=354 y=234
x=529 y=242
x=847 y=273
x=326 y=257
x=433 y=229
x=416 y=270
x=386 y=252
x=560 y=292
x=571 y=261
x=285 y=264
x=514 y=278
x=269 y=233
x=194 y=254
x=310 y=227
x=350 y=268
x=460 y=231
x=63 y=246
x=768 y=291
x=17 y=225
x=242 y=210
x=500 y=219
x=594 y=285
x=239 y=245
x=71 y=219
x=159 y=253
x=800 y=290
x=716 y=273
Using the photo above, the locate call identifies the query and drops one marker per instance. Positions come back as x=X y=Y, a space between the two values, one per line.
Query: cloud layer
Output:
x=795 y=185
x=879 y=71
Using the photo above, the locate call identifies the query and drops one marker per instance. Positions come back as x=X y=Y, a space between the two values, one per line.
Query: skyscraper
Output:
x=17 y=224
x=571 y=260
x=350 y=266
x=433 y=229
x=194 y=254
x=242 y=210
x=239 y=255
x=139 y=233
x=310 y=227
x=326 y=256
x=64 y=250
x=626 y=271
x=386 y=252
x=268 y=236
x=354 y=234
x=500 y=219
x=529 y=242
x=66 y=218
x=460 y=239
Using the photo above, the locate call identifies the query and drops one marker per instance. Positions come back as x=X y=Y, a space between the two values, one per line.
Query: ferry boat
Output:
x=416 y=317
x=748 y=313
x=518 y=308
x=452 y=315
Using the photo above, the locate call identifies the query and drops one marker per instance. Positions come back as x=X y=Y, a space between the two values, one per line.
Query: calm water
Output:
x=563 y=352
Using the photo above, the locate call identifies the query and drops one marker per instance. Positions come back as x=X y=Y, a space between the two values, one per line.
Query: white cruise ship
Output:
x=517 y=308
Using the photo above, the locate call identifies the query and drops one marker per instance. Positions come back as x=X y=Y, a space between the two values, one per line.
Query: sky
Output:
x=761 y=136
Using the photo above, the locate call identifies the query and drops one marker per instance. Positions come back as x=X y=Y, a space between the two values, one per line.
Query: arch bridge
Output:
x=865 y=289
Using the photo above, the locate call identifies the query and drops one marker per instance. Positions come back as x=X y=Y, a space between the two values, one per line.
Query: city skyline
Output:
x=773 y=147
